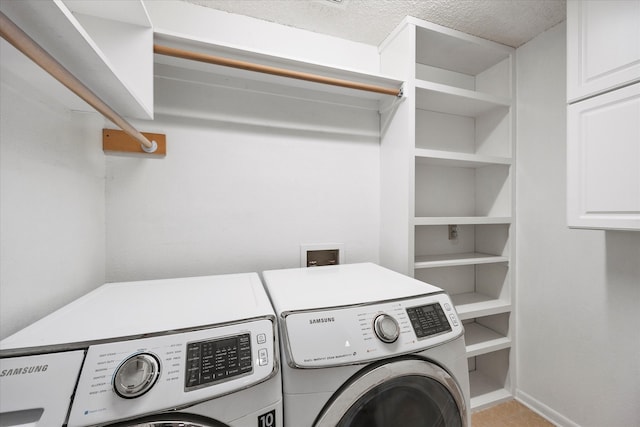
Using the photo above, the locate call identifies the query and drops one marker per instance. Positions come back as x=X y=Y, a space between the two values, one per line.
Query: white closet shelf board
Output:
x=452 y=100
x=450 y=260
x=460 y=220
x=449 y=49
x=455 y=159
x=482 y=340
x=474 y=304
x=96 y=55
x=270 y=83
x=486 y=391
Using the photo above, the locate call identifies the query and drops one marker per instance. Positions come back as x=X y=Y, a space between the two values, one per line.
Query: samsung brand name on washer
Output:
x=322 y=320
x=23 y=371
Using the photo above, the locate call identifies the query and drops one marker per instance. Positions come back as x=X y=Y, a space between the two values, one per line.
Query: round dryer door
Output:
x=171 y=420
x=402 y=393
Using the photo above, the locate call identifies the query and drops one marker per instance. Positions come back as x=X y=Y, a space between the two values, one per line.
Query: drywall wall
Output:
x=578 y=291
x=248 y=178
x=52 y=227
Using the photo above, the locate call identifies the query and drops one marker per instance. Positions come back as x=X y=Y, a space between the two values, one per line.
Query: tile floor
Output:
x=508 y=414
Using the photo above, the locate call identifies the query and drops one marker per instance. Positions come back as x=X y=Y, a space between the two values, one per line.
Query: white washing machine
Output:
x=365 y=346
x=199 y=351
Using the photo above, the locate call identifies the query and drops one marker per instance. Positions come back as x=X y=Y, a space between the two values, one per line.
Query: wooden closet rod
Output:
x=282 y=72
x=25 y=44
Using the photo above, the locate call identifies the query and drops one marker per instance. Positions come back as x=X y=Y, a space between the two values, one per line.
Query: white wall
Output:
x=243 y=193
x=52 y=224
x=578 y=291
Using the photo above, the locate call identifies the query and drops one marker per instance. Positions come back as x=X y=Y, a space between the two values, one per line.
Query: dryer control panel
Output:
x=367 y=332
x=129 y=378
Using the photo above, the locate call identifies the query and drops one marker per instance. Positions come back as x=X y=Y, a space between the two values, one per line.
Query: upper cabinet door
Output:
x=603 y=46
x=603 y=159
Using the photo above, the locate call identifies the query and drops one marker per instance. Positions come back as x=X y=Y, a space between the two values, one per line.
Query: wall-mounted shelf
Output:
x=268 y=83
x=475 y=304
x=107 y=45
x=454 y=159
x=481 y=340
x=452 y=100
x=445 y=220
x=450 y=260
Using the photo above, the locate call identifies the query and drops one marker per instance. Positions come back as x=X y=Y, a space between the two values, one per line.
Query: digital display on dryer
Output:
x=213 y=361
x=428 y=320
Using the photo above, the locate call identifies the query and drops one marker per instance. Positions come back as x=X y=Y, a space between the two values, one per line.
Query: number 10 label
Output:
x=268 y=419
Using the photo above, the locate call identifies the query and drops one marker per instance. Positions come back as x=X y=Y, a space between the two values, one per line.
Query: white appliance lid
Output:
x=339 y=285
x=134 y=308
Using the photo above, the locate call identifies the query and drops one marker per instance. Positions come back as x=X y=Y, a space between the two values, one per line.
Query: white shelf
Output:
x=452 y=100
x=106 y=45
x=260 y=82
x=485 y=391
x=455 y=159
x=474 y=304
x=480 y=340
x=450 y=260
x=460 y=220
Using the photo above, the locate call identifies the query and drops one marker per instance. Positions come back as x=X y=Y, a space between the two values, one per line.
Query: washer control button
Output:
x=454 y=320
x=447 y=306
x=262 y=338
x=136 y=375
x=386 y=328
x=263 y=357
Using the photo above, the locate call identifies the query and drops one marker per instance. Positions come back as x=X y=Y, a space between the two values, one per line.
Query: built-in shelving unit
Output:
x=447 y=185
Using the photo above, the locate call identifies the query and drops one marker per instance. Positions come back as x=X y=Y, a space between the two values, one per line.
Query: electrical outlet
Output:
x=453 y=232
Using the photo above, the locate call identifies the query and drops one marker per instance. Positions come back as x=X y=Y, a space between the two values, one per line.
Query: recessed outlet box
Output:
x=321 y=254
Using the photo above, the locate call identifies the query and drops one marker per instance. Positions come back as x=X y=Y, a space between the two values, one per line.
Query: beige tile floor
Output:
x=508 y=414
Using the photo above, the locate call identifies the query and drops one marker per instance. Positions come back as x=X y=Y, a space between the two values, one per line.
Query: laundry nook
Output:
x=319 y=213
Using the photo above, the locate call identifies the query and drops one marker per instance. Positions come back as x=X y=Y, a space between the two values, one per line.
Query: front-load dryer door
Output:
x=402 y=392
x=171 y=420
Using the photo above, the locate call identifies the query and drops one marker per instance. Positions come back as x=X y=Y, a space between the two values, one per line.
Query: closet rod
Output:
x=25 y=44
x=282 y=72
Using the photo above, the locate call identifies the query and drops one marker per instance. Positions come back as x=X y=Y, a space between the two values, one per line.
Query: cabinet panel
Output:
x=603 y=154
x=603 y=46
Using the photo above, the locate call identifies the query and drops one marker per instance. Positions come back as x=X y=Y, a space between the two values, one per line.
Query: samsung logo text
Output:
x=24 y=371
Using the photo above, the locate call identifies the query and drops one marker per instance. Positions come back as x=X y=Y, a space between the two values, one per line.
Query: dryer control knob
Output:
x=136 y=375
x=386 y=328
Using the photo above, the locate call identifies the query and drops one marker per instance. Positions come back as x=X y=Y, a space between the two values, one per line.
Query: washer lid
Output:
x=135 y=308
x=339 y=285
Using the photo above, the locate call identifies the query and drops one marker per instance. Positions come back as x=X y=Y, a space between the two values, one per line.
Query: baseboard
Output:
x=543 y=410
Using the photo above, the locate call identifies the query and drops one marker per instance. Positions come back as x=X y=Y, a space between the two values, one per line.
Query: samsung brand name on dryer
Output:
x=23 y=371
x=322 y=320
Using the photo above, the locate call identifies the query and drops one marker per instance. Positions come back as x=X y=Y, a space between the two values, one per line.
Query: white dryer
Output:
x=365 y=346
x=199 y=351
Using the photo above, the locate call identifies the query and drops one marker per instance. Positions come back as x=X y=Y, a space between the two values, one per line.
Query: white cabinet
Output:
x=603 y=148
x=107 y=45
x=603 y=115
x=603 y=46
x=447 y=185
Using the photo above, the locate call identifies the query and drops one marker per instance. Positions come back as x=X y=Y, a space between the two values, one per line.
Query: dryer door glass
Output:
x=404 y=402
x=400 y=393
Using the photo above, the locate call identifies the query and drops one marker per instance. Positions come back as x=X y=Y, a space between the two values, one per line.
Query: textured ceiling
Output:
x=510 y=22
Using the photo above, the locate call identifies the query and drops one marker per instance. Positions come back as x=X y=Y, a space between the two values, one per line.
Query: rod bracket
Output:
x=152 y=149
x=117 y=141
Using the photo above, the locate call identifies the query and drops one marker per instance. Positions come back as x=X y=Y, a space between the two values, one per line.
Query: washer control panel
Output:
x=362 y=333
x=212 y=361
x=125 y=379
